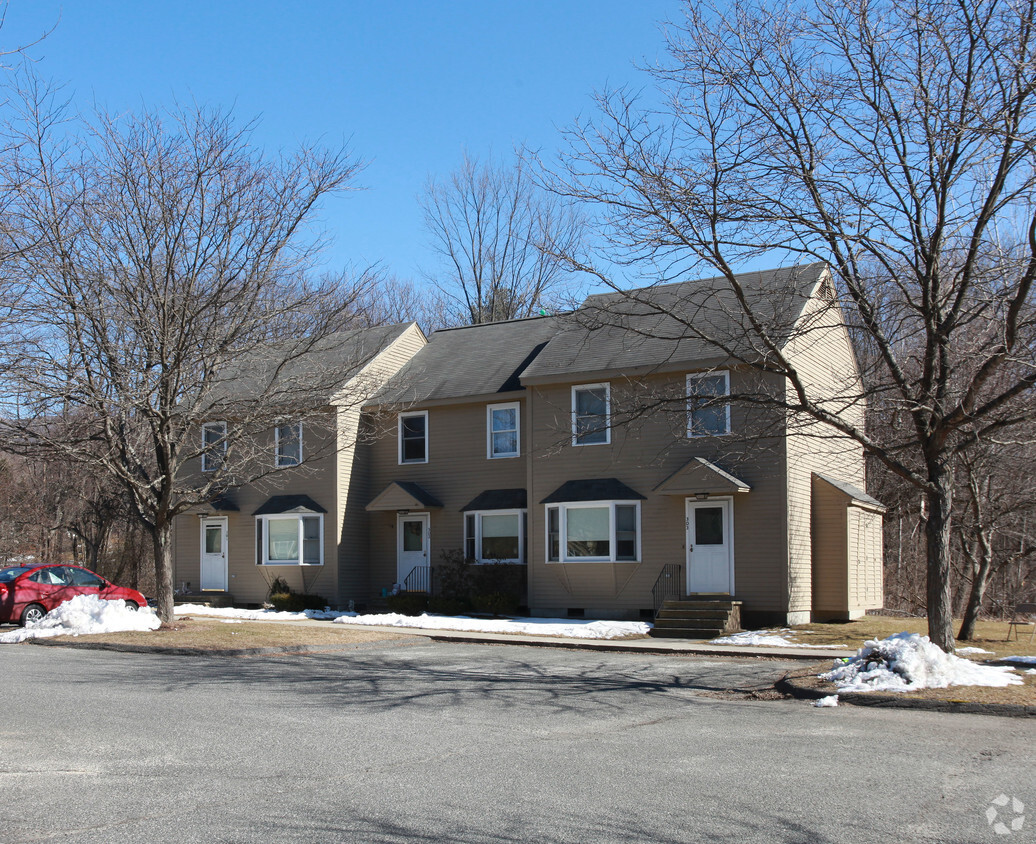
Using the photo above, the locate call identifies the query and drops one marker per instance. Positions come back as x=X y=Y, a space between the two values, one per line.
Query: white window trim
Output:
x=277 y=441
x=564 y=507
x=511 y=405
x=697 y=376
x=264 y=520
x=607 y=412
x=399 y=436
x=205 y=453
x=478 y=514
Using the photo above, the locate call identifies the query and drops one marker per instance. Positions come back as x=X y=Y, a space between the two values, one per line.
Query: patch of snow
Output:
x=84 y=615
x=1029 y=671
x=830 y=700
x=1019 y=660
x=231 y=621
x=966 y=651
x=907 y=662
x=768 y=639
x=257 y=615
x=530 y=626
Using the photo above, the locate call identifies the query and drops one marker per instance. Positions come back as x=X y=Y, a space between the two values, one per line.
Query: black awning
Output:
x=498 y=499
x=222 y=504
x=289 y=504
x=594 y=489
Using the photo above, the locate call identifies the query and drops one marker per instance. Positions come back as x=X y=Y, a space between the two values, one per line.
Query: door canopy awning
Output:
x=220 y=504
x=700 y=477
x=404 y=495
x=289 y=504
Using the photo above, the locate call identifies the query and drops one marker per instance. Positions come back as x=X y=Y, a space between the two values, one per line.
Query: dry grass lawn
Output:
x=212 y=634
x=989 y=635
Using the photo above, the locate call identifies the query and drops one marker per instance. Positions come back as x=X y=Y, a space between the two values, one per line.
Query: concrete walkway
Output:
x=688 y=647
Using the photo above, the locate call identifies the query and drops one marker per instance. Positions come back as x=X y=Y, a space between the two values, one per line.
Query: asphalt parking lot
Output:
x=423 y=741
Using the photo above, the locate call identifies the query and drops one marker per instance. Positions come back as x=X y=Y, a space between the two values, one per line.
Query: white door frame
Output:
x=727 y=503
x=409 y=566
x=205 y=522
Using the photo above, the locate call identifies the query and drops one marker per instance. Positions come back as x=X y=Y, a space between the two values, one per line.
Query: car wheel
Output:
x=132 y=605
x=32 y=614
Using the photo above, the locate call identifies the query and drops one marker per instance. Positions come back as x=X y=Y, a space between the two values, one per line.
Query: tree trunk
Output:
x=981 y=569
x=937 y=539
x=161 y=537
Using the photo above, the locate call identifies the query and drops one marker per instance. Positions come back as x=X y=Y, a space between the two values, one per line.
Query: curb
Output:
x=787 y=685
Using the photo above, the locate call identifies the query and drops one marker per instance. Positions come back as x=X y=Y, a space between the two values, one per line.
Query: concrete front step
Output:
x=696 y=617
x=719 y=615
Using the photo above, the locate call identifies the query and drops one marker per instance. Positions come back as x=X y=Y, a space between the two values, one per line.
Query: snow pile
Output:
x=907 y=662
x=969 y=651
x=830 y=700
x=1019 y=660
x=257 y=615
x=529 y=626
x=766 y=638
x=84 y=615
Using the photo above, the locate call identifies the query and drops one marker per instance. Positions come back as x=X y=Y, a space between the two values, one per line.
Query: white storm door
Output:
x=412 y=545
x=214 y=554
x=710 y=546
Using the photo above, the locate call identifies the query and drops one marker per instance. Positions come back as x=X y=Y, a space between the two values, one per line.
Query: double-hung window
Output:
x=290 y=539
x=708 y=410
x=495 y=536
x=413 y=437
x=213 y=445
x=591 y=414
x=502 y=430
x=289 y=444
x=593 y=531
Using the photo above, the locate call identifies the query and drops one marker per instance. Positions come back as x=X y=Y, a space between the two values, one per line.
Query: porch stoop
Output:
x=697 y=617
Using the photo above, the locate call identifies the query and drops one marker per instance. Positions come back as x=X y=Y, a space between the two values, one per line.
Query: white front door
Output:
x=412 y=545
x=710 y=546
x=214 y=554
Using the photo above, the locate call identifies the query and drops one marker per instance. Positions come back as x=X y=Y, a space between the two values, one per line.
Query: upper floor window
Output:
x=591 y=414
x=708 y=411
x=502 y=430
x=413 y=437
x=289 y=444
x=213 y=445
x=593 y=531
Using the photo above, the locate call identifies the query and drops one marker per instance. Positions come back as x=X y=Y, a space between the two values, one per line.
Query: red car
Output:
x=27 y=593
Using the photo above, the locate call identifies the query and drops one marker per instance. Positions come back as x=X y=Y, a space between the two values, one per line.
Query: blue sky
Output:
x=410 y=85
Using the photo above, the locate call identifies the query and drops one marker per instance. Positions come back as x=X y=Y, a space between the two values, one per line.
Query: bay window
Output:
x=495 y=536
x=596 y=531
x=290 y=540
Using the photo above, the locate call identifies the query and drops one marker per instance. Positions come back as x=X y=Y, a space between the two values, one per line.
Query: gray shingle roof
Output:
x=593 y=489
x=851 y=491
x=672 y=323
x=498 y=499
x=474 y=360
x=285 y=372
x=288 y=504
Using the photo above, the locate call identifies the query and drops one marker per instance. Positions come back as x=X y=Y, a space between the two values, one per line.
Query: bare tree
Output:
x=894 y=141
x=165 y=265
x=500 y=237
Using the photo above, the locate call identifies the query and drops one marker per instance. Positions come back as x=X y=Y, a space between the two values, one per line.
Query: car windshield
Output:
x=9 y=574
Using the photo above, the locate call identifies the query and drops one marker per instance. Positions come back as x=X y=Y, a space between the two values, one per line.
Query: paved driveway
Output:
x=418 y=741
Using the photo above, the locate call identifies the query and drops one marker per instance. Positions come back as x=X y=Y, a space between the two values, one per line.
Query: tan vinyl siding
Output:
x=457 y=470
x=822 y=354
x=830 y=552
x=247 y=582
x=353 y=472
x=641 y=455
x=865 y=549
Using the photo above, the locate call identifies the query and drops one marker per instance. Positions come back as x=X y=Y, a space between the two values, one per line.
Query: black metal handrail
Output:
x=419 y=580
x=668 y=585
